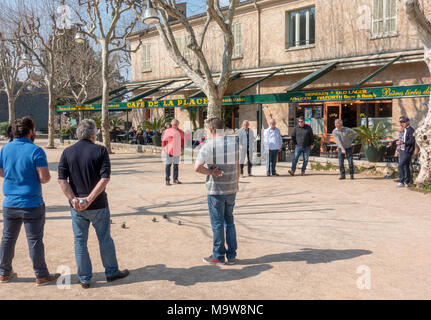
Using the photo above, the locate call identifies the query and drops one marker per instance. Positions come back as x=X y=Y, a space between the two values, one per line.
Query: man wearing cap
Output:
x=407 y=145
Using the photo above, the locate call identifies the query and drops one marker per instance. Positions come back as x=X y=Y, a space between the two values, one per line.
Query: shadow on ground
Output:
x=311 y=256
x=213 y=273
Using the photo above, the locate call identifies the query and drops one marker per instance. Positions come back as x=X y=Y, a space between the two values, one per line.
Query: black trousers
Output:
x=249 y=164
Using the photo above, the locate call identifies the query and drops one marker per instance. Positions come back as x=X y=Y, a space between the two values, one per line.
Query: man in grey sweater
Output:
x=344 y=137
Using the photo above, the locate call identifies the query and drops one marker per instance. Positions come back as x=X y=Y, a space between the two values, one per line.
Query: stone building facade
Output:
x=300 y=37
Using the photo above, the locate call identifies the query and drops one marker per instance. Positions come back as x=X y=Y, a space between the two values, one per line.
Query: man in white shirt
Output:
x=272 y=145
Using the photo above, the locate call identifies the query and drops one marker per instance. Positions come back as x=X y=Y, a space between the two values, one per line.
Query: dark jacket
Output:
x=410 y=142
x=303 y=137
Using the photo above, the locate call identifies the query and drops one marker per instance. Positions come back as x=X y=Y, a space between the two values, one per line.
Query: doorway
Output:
x=349 y=115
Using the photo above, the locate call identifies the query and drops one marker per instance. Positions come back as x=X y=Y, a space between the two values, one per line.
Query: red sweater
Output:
x=174 y=140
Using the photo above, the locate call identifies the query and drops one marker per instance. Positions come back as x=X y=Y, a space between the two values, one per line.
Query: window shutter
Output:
x=186 y=52
x=391 y=16
x=377 y=17
x=237 y=40
x=146 y=63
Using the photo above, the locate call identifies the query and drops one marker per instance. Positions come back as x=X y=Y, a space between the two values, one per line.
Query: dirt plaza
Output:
x=311 y=237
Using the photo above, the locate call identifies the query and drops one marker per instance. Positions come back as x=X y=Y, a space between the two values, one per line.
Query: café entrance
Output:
x=322 y=117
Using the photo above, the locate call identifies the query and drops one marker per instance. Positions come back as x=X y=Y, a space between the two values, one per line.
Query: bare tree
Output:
x=200 y=73
x=110 y=39
x=40 y=37
x=417 y=17
x=12 y=68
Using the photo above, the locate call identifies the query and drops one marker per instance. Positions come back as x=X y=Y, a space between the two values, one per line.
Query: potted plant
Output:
x=156 y=126
x=98 y=121
x=65 y=133
x=371 y=137
x=316 y=150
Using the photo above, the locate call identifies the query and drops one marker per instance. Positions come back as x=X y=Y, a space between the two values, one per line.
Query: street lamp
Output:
x=26 y=57
x=150 y=15
x=80 y=36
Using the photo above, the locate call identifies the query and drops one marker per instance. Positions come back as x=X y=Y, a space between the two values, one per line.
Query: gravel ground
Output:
x=310 y=237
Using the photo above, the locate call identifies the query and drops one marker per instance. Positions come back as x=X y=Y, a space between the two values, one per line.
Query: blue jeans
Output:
x=349 y=156
x=169 y=161
x=221 y=216
x=34 y=222
x=101 y=221
x=271 y=161
x=305 y=155
x=404 y=167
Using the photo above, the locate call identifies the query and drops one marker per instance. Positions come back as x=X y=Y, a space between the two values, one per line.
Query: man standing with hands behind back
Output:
x=272 y=145
x=83 y=173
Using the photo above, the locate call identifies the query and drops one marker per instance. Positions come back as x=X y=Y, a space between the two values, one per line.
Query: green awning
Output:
x=175 y=90
x=256 y=82
x=312 y=77
x=201 y=94
x=114 y=99
x=150 y=92
x=92 y=100
x=378 y=71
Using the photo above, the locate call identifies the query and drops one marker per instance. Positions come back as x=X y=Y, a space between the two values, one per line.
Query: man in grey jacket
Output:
x=344 y=137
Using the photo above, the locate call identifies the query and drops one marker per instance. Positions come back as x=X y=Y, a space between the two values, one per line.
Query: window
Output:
x=186 y=51
x=301 y=27
x=312 y=115
x=169 y=114
x=182 y=43
x=146 y=59
x=374 y=112
x=237 y=40
x=384 y=17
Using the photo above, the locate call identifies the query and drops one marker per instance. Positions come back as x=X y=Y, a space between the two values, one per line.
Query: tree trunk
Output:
x=51 y=115
x=11 y=107
x=105 y=97
x=416 y=14
x=214 y=106
x=423 y=137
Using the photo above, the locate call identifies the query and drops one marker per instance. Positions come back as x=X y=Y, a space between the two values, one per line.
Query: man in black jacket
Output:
x=303 y=140
x=407 y=143
x=84 y=171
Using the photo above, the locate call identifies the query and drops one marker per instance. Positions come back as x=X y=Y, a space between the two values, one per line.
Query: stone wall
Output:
x=127 y=148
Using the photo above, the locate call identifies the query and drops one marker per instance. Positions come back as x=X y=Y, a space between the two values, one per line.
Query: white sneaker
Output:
x=407 y=185
x=400 y=185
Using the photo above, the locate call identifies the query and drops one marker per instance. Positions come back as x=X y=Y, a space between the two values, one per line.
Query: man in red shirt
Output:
x=173 y=146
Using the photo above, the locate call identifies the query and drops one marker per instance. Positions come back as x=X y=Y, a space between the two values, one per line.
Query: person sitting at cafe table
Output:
x=132 y=135
x=140 y=138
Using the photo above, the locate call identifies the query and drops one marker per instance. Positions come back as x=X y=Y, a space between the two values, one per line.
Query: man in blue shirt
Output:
x=272 y=146
x=24 y=167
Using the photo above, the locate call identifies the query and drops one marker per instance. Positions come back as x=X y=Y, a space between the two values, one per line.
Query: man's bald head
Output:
x=273 y=123
x=175 y=123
